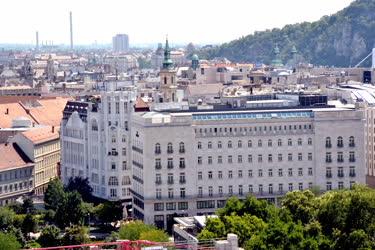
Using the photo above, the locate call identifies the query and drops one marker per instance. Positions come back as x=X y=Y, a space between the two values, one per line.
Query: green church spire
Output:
x=167 y=63
x=276 y=62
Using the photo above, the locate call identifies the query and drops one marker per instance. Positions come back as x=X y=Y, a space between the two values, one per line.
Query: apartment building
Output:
x=189 y=162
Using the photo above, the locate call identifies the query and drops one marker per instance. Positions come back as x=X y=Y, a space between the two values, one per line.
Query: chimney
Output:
x=7 y=111
x=53 y=129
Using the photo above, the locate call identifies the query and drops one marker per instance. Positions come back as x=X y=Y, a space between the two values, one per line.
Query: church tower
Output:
x=168 y=84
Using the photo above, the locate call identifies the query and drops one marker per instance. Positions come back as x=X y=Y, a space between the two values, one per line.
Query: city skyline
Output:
x=146 y=26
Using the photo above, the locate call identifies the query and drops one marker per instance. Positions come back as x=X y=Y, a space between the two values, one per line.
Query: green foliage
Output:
x=9 y=242
x=155 y=235
x=342 y=219
x=342 y=39
x=80 y=185
x=6 y=217
x=54 y=195
x=75 y=235
x=109 y=211
x=29 y=224
x=28 y=206
x=50 y=236
x=71 y=211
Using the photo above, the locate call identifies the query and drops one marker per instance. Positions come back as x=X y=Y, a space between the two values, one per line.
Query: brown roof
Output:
x=12 y=157
x=204 y=89
x=10 y=111
x=43 y=134
x=50 y=112
x=140 y=104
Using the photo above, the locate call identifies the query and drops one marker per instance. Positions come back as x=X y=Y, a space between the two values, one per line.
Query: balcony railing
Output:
x=170 y=151
x=328 y=160
x=170 y=182
x=352 y=174
x=182 y=181
x=340 y=175
x=352 y=145
x=328 y=145
x=329 y=175
x=182 y=150
x=158 y=182
x=182 y=165
x=158 y=166
x=158 y=152
x=352 y=159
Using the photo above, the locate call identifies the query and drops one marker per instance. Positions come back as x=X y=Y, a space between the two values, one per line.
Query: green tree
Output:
x=6 y=217
x=29 y=224
x=133 y=230
x=76 y=235
x=82 y=186
x=50 y=236
x=28 y=206
x=301 y=205
x=71 y=211
x=9 y=242
x=109 y=211
x=155 y=235
x=54 y=195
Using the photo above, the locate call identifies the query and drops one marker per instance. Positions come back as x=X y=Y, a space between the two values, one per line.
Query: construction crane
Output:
x=364 y=59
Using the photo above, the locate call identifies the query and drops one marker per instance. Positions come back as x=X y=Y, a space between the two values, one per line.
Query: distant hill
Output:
x=342 y=39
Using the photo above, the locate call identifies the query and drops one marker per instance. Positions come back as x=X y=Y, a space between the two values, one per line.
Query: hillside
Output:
x=341 y=39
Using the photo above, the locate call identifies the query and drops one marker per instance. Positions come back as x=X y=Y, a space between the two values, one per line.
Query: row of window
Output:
x=340 y=142
x=340 y=172
x=170 y=179
x=170 y=148
x=171 y=206
x=158 y=193
x=15 y=174
x=16 y=187
x=340 y=157
x=270 y=158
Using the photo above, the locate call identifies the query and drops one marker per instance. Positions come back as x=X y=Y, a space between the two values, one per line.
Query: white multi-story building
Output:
x=96 y=144
x=120 y=43
x=189 y=162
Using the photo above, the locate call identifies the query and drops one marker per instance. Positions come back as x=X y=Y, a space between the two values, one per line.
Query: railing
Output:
x=328 y=160
x=157 y=152
x=182 y=150
x=352 y=174
x=158 y=166
x=352 y=145
x=329 y=175
x=328 y=145
x=352 y=159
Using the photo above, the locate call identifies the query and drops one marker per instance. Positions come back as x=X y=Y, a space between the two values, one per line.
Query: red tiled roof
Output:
x=12 y=157
x=40 y=135
x=140 y=104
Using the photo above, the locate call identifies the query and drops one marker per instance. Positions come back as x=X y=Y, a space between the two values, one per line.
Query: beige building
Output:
x=41 y=146
x=16 y=173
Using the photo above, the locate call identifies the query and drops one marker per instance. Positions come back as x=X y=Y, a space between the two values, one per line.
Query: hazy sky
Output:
x=148 y=21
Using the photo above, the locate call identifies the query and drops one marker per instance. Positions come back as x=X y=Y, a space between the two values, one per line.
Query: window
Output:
x=329 y=186
x=309 y=141
x=170 y=206
x=300 y=186
x=182 y=147
x=300 y=172
x=351 y=141
x=270 y=173
x=260 y=158
x=260 y=173
x=250 y=158
x=157 y=148
x=249 y=143
x=182 y=178
x=281 y=189
x=259 y=143
x=182 y=163
x=290 y=157
x=209 y=145
x=219 y=159
x=310 y=171
x=209 y=160
x=230 y=189
x=219 y=144
x=205 y=204
x=352 y=171
x=170 y=193
x=328 y=157
x=169 y=148
x=210 y=191
x=109 y=107
x=270 y=158
x=158 y=206
x=239 y=173
x=340 y=172
x=300 y=156
x=290 y=142
x=328 y=142
x=260 y=189
x=239 y=159
x=230 y=174
x=113 y=192
x=200 y=160
x=220 y=190
x=229 y=144
x=351 y=156
x=123 y=138
x=123 y=151
x=183 y=206
x=157 y=163
x=170 y=178
x=280 y=157
x=290 y=172
x=341 y=185
x=279 y=142
x=200 y=191
x=209 y=174
x=251 y=188
x=309 y=156
x=113 y=165
x=269 y=143
x=270 y=188
x=290 y=186
x=299 y=142
x=328 y=172
x=113 y=139
x=94 y=126
x=239 y=144
x=230 y=160
x=113 y=181
x=182 y=192
x=199 y=145
x=199 y=175
x=250 y=173
x=220 y=175
x=170 y=163
x=280 y=172
x=240 y=190
x=340 y=142
x=340 y=157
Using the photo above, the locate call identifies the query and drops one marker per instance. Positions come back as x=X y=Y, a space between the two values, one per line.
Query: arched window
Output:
x=309 y=141
x=328 y=142
x=351 y=141
x=199 y=145
x=239 y=144
x=259 y=143
x=169 y=148
x=290 y=143
x=209 y=144
x=340 y=142
x=94 y=125
x=249 y=143
x=113 y=139
x=279 y=142
x=182 y=147
x=113 y=181
x=123 y=138
x=229 y=144
x=299 y=141
x=269 y=143
x=219 y=144
x=157 y=148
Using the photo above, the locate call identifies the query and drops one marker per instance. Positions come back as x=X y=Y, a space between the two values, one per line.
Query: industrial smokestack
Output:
x=71 y=30
x=37 y=40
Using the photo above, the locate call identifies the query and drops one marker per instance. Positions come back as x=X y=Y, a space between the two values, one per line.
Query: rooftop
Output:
x=43 y=134
x=12 y=157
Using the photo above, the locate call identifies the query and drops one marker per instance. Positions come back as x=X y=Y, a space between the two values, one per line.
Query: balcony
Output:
x=170 y=182
x=352 y=174
x=170 y=166
x=329 y=175
x=351 y=159
x=182 y=165
x=158 y=182
x=158 y=152
x=352 y=145
x=328 y=160
x=182 y=181
x=170 y=151
x=328 y=145
x=340 y=175
x=340 y=160
x=157 y=166
x=182 y=150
